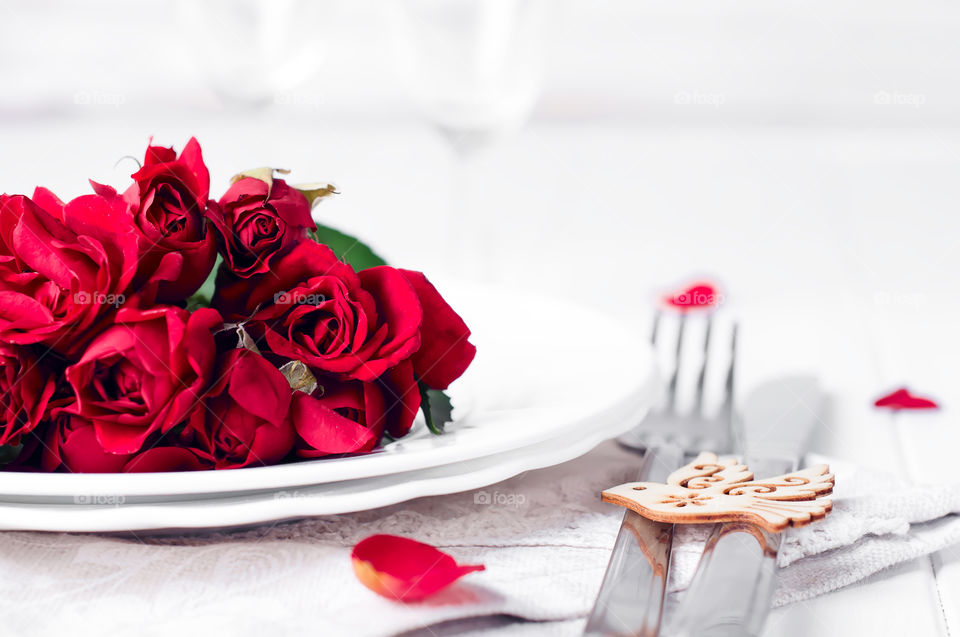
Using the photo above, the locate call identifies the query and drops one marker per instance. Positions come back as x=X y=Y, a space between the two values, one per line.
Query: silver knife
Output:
x=632 y=594
x=734 y=583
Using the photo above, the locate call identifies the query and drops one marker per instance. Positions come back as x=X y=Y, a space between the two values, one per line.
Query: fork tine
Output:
x=672 y=387
x=728 y=386
x=702 y=376
x=655 y=330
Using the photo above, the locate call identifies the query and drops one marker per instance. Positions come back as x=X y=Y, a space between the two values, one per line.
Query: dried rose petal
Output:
x=903 y=399
x=405 y=570
x=694 y=297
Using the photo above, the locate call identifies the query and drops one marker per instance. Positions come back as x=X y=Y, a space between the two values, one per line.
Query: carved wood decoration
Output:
x=712 y=489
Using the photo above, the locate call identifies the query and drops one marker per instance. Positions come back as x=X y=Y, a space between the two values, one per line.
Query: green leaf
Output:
x=9 y=453
x=436 y=406
x=347 y=248
x=203 y=296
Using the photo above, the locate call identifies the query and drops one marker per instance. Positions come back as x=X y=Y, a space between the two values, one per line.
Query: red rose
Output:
x=169 y=203
x=71 y=443
x=26 y=388
x=319 y=311
x=237 y=298
x=257 y=223
x=247 y=416
x=144 y=374
x=445 y=353
x=64 y=269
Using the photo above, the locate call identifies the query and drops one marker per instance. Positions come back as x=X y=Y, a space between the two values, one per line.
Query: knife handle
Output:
x=735 y=580
x=732 y=589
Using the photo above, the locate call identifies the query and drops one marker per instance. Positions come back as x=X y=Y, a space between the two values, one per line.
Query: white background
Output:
x=804 y=154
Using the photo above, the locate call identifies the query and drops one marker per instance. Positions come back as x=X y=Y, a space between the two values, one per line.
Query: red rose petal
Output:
x=77 y=450
x=121 y=439
x=405 y=570
x=160 y=459
x=326 y=432
x=399 y=308
x=159 y=155
x=50 y=203
x=403 y=398
x=445 y=353
x=192 y=157
x=696 y=296
x=903 y=399
x=258 y=386
x=103 y=190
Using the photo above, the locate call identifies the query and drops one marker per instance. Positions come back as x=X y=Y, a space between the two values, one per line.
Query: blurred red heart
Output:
x=903 y=399
x=405 y=570
x=694 y=297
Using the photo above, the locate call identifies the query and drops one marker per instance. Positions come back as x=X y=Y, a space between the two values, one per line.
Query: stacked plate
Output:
x=551 y=380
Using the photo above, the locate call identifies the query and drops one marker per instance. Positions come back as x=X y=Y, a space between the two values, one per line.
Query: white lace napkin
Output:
x=876 y=522
x=544 y=536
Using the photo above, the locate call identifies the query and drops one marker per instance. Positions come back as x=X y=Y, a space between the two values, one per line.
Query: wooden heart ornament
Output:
x=712 y=489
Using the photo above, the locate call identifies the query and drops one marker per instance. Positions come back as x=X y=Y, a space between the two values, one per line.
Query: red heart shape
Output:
x=694 y=297
x=903 y=399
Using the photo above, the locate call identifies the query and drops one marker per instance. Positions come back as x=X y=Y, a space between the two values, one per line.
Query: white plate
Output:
x=548 y=375
x=232 y=511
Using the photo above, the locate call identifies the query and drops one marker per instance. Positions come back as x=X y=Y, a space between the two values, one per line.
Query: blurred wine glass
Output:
x=475 y=68
x=253 y=50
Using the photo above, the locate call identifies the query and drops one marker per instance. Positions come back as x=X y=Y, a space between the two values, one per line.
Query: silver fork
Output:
x=631 y=598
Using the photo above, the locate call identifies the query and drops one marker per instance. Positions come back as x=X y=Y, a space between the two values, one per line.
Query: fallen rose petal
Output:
x=903 y=399
x=694 y=297
x=405 y=570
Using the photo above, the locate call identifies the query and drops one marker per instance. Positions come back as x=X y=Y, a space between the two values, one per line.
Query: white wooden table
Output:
x=837 y=248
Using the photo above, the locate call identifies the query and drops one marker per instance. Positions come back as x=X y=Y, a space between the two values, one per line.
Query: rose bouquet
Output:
x=159 y=329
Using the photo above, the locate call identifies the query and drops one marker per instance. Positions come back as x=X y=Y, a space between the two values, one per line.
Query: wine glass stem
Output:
x=471 y=237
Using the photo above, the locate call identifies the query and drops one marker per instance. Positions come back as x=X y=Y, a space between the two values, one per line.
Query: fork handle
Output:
x=631 y=596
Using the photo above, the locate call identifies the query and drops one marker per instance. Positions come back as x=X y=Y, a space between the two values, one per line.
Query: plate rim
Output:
x=22 y=486
x=195 y=516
